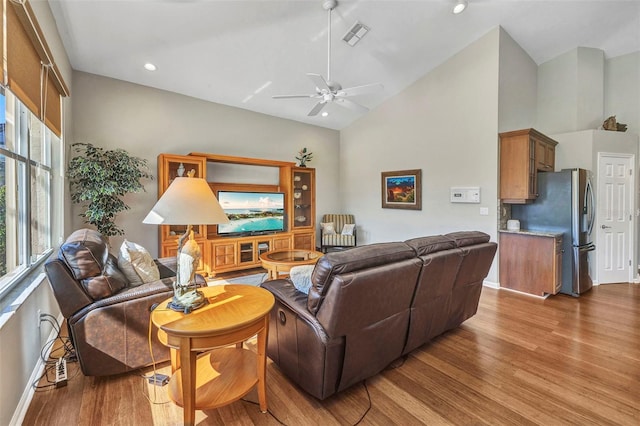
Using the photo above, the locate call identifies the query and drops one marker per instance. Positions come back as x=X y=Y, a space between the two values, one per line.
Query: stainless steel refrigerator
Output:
x=565 y=204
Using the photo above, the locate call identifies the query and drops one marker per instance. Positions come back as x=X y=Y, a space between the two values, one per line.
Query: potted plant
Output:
x=304 y=156
x=100 y=179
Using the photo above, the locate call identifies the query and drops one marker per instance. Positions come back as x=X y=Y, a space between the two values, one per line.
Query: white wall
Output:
x=622 y=90
x=571 y=91
x=446 y=124
x=146 y=122
x=518 y=86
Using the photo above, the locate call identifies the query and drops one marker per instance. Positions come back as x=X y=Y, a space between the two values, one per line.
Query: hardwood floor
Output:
x=519 y=361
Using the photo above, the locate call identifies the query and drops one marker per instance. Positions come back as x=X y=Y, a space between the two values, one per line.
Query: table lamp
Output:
x=187 y=201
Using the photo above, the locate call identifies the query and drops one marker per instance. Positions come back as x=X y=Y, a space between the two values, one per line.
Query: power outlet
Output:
x=39 y=319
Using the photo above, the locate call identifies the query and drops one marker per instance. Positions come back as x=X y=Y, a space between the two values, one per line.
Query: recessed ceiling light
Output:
x=460 y=6
x=150 y=67
x=325 y=114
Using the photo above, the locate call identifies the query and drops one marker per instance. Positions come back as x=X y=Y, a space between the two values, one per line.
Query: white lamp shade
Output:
x=187 y=201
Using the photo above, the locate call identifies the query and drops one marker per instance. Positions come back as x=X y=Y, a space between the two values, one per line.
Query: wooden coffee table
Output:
x=218 y=376
x=278 y=261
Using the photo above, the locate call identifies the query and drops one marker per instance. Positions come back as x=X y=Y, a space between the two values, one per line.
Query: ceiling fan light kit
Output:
x=331 y=91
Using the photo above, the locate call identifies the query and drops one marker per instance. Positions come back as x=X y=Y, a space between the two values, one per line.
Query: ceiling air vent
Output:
x=356 y=32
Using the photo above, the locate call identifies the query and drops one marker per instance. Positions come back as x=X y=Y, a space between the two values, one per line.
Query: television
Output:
x=251 y=213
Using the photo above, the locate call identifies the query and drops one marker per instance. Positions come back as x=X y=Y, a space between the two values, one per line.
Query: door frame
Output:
x=633 y=268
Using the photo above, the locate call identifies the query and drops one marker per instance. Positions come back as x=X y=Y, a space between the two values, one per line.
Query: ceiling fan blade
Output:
x=348 y=103
x=293 y=96
x=317 y=108
x=360 y=90
x=319 y=81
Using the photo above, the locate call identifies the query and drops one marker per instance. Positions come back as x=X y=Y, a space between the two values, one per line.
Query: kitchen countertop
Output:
x=533 y=233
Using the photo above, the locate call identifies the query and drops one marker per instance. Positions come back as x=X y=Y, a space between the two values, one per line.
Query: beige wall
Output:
x=445 y=124
x=622 y=90
x=146 y=122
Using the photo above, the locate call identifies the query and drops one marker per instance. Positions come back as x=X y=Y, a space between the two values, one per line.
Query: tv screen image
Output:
x=252 y=212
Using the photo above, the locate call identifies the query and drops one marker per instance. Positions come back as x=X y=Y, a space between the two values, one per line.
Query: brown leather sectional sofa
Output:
x=108 y=320
x=372 y=304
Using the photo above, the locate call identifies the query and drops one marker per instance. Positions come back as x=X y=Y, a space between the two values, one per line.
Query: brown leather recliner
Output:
x=369 y=305
x=108 y=320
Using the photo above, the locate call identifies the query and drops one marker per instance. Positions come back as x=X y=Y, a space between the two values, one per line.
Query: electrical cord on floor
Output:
x=50 y=362
x=146 y=378
x=364 y=383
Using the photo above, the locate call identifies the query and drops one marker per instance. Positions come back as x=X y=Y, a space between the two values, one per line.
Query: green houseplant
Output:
x=100 y=179
x=304 y=157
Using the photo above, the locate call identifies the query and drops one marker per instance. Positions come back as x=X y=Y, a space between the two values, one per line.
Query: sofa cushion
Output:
x=432 y=244
x=348 y=229
x=300 y=276
x=357 y=258
x=328 y=228
x=136 y=264
x=86 y=254
x=468 y=238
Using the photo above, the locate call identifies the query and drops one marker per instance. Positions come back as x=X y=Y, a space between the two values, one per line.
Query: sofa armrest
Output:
x=167 y=266
x=163 y=286
x=286 y=293
x=298 y=343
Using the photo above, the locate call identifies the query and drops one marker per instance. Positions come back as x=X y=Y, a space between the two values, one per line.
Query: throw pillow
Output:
x=348 y=228
x=300 y=276
x=328 y=228
x=136 y=264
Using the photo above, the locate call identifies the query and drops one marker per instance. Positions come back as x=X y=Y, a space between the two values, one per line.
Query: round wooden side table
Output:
x=206 y=374
x=278 y=261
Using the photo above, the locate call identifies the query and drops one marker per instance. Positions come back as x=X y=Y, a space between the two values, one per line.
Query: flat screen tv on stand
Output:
x=251 y=213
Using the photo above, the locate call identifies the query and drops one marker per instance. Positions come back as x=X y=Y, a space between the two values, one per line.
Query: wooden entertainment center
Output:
x=231 y=253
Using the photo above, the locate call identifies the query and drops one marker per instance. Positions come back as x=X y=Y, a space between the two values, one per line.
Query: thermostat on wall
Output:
x=465 y=195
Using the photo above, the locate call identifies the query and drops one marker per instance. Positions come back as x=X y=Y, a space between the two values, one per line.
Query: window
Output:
x=27 y=147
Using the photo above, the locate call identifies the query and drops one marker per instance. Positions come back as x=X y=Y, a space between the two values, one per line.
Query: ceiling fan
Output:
x=331 y=91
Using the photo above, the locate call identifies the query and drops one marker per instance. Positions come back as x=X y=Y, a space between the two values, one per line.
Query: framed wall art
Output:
x=402 y=189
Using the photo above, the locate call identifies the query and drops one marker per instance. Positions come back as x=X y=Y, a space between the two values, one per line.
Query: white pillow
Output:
x=348 y=228
x=300 y=276
x=136 y=264
x=328 y=228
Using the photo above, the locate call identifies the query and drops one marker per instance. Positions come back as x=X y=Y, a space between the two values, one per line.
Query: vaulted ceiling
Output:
x=241 y=52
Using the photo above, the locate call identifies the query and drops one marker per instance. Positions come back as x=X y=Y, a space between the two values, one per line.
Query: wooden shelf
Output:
x=222 y=376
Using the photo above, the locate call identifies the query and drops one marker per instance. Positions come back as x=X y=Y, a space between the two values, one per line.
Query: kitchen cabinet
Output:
x=524 y=153
x=531 y=262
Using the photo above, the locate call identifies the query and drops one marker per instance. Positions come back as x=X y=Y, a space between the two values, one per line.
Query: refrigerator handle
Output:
x=592 y=213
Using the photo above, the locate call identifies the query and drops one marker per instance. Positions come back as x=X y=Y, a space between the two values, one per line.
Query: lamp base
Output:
x=188 y=302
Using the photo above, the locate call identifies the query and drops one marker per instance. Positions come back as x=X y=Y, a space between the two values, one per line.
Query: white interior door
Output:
x=614 y=218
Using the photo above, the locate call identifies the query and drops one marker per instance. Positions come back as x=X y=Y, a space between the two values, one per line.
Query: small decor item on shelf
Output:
x=611 y=124
x=304 y=156
x=181 y=170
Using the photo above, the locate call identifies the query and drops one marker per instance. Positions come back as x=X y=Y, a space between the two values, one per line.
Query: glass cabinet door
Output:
x=172 y=166
x=303 y=197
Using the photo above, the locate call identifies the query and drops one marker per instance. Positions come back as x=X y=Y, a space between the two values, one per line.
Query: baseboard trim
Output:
x=491 y=284
x=27 y=394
